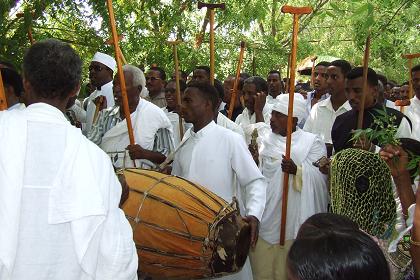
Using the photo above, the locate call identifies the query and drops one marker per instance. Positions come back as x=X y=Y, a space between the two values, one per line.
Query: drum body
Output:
x=182 y=230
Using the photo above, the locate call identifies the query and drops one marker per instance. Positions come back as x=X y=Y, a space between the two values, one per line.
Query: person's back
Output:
x=59 y=195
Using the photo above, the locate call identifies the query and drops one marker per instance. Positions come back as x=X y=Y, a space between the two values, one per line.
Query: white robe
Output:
x=59 y=201
x=225 y=122
x=214 y=157
x=248 y=122
x=174 y=119
x=413 y=113
x=106 y=90
x=313 y=197
x=146 y=120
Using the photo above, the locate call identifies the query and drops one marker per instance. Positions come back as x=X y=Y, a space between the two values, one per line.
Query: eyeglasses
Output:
x=97 y=68
x=152 y=79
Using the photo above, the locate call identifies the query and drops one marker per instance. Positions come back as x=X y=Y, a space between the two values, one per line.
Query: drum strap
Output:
x=170 y=158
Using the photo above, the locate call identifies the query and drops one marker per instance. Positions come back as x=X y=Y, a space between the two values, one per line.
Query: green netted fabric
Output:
x=361 y=190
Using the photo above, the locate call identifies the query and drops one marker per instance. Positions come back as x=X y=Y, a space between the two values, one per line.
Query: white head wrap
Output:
x=105 y=59
x=281 y=105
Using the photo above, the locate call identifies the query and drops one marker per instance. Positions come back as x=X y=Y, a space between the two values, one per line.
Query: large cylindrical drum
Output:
x=181 y=229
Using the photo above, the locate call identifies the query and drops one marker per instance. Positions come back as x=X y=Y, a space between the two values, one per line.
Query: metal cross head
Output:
x=211 y=6
x=296 y=10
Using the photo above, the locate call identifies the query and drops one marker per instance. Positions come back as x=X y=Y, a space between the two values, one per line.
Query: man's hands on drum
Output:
x=255 y=228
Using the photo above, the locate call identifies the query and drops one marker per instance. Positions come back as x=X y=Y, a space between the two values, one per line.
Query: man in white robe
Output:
x=151 y=127
x=59 y=194
x=214 y=157
x=308 y=192
x=257 y=112
x=101 y=72
x=413 y=111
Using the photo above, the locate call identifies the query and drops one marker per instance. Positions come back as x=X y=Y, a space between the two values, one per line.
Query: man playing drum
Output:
x=214 y=157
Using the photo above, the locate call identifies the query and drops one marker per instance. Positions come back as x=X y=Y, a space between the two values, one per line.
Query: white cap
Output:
x=105 y=59
x=299 y=106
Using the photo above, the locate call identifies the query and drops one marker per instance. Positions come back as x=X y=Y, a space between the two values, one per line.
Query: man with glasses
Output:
x=155 y=83
x=101 y=72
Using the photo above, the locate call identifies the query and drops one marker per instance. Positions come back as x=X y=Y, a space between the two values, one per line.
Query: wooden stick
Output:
x=177 y=86
x=210 y=7
x=3 y=100
x=212 y=47
x=313 y=72
x=288 y=73
x=120 y=72
x=296 y=11
x=365 y=84
x=234 y=94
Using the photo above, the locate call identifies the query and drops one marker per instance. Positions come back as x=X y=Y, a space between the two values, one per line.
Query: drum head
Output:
x=233 y=243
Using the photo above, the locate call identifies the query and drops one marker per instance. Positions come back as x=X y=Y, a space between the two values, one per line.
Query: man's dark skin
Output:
x=278 y=123
x=154 y=83
x=200 y=75
x=320 y=83
x=199 y=111
x=336 y=85
x=99 y=75
x=228 y=89
x=254 y=101
x=275 y=85
x=133 y=94
x=170 y=96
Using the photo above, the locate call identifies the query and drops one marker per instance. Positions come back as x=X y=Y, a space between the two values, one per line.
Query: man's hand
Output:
x=324 y=165
x=288 y=166
x=254 y=152
x=136 y=152
x=259 y=102
x=101 y=100
x=255 y=228
x=396 y=159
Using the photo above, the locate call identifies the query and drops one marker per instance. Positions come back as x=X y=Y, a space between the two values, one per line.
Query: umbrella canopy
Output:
x=305 y=66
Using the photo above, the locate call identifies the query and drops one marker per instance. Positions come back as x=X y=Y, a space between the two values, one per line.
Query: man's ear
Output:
x=75 y=92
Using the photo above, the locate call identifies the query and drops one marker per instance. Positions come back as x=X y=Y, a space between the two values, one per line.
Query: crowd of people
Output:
x=60 y=197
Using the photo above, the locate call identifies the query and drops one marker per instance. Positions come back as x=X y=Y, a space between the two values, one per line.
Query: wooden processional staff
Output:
x=296 y=12
x=211 y=8
x=120 y=72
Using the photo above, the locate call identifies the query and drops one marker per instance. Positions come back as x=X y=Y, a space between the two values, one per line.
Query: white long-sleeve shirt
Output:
x=214 y=157
x=59 y=200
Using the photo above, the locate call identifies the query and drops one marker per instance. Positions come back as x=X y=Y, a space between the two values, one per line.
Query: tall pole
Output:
x=365 y=84
x=236 y=83
x=296 y=11
x=120 y=72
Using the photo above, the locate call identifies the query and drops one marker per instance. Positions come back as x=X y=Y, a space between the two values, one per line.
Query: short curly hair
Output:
x=53 y=68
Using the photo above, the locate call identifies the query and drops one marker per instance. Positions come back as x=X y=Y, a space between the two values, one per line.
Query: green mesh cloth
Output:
x=361 y=190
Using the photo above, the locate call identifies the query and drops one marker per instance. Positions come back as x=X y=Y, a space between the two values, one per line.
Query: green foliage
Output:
x=336 y=28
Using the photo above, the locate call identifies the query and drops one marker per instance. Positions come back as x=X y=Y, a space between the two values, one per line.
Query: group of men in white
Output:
x=78 y=231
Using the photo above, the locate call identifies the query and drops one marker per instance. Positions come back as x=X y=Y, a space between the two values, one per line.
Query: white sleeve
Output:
x=117 y=256
x=314 y=195
x=404 y=130
x=249 y=178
